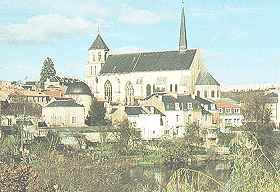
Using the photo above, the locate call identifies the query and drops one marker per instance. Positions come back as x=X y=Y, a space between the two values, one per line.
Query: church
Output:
x=127 y=78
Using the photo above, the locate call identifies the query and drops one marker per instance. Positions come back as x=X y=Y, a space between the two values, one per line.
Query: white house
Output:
x=273 y=101
x=230 y=113
x=149 y=124
x=64 y=113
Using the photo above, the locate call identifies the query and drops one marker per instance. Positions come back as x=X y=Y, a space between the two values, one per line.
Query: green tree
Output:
x=48 y=71
x=127 y=138
x=96 y=114
x=257 y=115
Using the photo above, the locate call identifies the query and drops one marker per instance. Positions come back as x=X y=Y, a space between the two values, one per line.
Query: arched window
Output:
x=99 y=56
x=176 y=88
x=171 y=88
x=108 y=91
x=119 y=86
x=148 y=90
x=198 y=93
x=91 y=70
x=205 y=94
x=129 y=93
x=212 y=94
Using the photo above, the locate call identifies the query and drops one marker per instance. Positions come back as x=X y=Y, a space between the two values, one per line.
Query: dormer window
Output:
x=190 y=106
x=206 y=107
x=177 y=106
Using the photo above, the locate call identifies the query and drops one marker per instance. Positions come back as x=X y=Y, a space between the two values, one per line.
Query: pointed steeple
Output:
x=183 y=45
x=99 y=44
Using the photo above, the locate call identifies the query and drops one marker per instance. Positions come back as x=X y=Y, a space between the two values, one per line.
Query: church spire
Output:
x=183 y=45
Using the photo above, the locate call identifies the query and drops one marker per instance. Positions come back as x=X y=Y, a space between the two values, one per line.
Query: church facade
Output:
x=126 y=78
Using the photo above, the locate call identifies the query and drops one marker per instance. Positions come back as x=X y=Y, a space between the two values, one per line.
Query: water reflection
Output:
x=218 y=170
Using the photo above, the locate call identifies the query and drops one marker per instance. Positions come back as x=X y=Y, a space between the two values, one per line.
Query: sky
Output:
x=239 y=39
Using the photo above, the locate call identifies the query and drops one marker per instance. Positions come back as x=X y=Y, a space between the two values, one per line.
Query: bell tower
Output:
x=97 y=55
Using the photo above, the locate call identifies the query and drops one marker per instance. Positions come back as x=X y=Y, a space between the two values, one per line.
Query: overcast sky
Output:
x=239 y=38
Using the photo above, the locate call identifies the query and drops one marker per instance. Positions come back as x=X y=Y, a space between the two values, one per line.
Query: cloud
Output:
x=139 y=16
x=43 y=28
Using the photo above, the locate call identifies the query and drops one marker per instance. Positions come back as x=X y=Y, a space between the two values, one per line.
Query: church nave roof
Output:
x=151 y=61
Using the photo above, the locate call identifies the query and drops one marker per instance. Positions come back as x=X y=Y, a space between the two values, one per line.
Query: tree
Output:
x=257 y=115
x=127 y=138
x=96 y=114
x=48 y=71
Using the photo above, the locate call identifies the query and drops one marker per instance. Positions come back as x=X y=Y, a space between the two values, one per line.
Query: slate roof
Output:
x=134 y=110
x=99 y=44
x=170 y=101
x=183 y=33
x=78 y=88
x=151 y=61
x=205 y=78
x=205 y=102
x=64 y=103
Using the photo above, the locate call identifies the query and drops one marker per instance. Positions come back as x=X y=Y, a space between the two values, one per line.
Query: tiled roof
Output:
x=205 y=78
x=99 y=44
x=64 y=103
x=227 y=103
x=152 y=61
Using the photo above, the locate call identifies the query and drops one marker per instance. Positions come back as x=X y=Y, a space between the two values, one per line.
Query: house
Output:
x=81 y=93
x=149 y=124
x=64 y=113
x=21 y=96
x=230 y=113
x=273 y=102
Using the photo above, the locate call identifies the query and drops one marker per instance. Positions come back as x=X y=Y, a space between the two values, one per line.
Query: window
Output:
x=154 y=132
x=99 y=56
x=205 y=94
x=166 y=132
x=161 y=121
x=108 y=91
x=228 y=110
x=171 y=87
x=148 y=90
x=198 y=93
x=221 y=110
x=177 y=106
x=177 y=118
x=95 y=70
x=190 y=106
x=236 y=110
x=218 y=94
x=176 y=88
x=212 y=94
x=9 y=122
x=93 y=58
x=91 y=70
x=129 y=93
x=74 y=120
